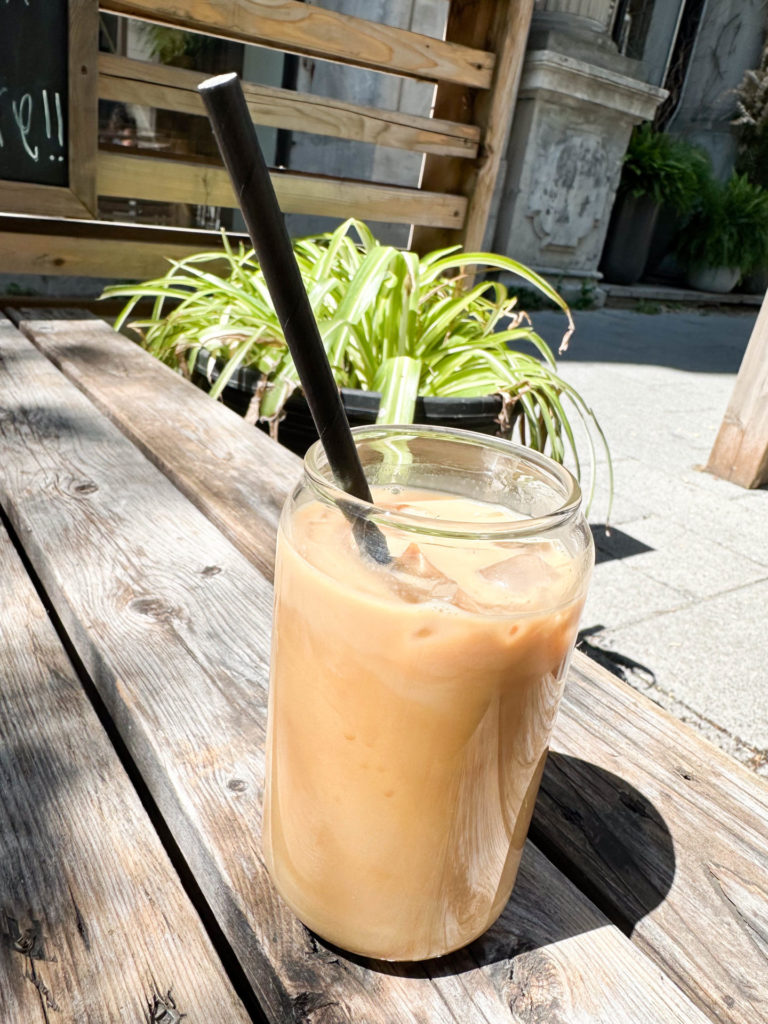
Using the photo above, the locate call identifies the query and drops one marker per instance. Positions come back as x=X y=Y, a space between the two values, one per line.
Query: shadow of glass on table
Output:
x=617 y=832
x=606 y=836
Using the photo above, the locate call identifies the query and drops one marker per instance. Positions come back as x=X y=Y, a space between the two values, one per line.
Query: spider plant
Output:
x=391 y=322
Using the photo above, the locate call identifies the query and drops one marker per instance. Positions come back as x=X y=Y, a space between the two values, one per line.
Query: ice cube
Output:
x=415 y=579
x=526 y=570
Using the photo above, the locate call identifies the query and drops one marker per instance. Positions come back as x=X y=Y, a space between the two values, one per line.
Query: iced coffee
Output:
x=412 y=701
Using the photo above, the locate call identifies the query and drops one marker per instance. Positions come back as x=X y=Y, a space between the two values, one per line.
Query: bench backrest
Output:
x=475 y=69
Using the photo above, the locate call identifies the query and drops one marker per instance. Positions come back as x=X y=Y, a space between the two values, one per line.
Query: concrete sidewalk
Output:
x=679 y=600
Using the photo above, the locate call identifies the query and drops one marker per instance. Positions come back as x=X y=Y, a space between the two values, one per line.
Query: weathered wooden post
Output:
x=740 y=451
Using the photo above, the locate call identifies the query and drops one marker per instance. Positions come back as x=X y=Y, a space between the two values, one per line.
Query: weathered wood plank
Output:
x=595 y=813
x=94 y=923
x=509 y=39
x=172 y=624
x=180 y=182
x=171 y=88
x=316 y=32
x=53 y=200
x=740 y=451
x=680 y=831
x=124 y=259
x=40 y=245
x=223 y=465
x=500 y=26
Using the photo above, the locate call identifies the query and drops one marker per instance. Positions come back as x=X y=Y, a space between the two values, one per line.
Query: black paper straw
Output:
x=241 y=152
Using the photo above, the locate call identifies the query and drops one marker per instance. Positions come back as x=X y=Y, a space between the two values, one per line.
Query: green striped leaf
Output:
x=398 y=381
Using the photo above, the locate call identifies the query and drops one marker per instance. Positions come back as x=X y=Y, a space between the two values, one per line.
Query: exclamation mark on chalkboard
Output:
x=59 y=123
x=47 y=111
x=60 y=120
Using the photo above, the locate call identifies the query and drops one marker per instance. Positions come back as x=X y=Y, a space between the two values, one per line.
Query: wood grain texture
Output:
x=500 y=26
x=172 y=624
x=94 y=923
x=316 y=32
x=681 y=861
x=679 y=831
x=170 y=88
x=89 y=257
x=220 y=462
x=99 y=248
x=740 y=451
x=51 y=200
x=181 y=182
x=123 y=259
x=510 y=36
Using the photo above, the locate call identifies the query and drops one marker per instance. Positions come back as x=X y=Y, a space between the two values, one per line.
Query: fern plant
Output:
x=668 y=169
x=729 y=227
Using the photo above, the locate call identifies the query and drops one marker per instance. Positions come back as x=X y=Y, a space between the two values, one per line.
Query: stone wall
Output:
x=729 y=41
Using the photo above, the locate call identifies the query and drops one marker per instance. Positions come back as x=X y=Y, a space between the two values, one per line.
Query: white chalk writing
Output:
x=31 y=115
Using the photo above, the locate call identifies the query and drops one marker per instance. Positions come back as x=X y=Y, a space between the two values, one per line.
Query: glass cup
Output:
x=411 y=703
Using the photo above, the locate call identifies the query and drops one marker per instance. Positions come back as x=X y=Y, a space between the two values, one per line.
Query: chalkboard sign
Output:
x=34 y=93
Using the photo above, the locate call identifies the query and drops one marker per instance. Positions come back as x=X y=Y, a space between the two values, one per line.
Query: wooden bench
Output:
x=475 y=69
x=148 y=513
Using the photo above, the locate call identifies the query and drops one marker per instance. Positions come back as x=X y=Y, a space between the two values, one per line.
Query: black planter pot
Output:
x=662 y=260
x=628 y=242
x=297 y=431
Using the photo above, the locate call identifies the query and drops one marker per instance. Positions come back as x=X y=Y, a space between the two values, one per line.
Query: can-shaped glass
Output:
x=420 y=645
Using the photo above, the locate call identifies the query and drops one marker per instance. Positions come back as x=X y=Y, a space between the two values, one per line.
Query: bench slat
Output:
x=159 y=85
x=146 y=587
x=176 y=181
x=705 y=930
x=327 y=34
x=94 y=923
x=141 y=258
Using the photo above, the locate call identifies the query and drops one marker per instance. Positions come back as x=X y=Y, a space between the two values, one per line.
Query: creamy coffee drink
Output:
x=411 y=706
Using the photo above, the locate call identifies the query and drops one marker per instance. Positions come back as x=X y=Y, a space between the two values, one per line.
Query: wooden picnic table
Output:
x=136 y=552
